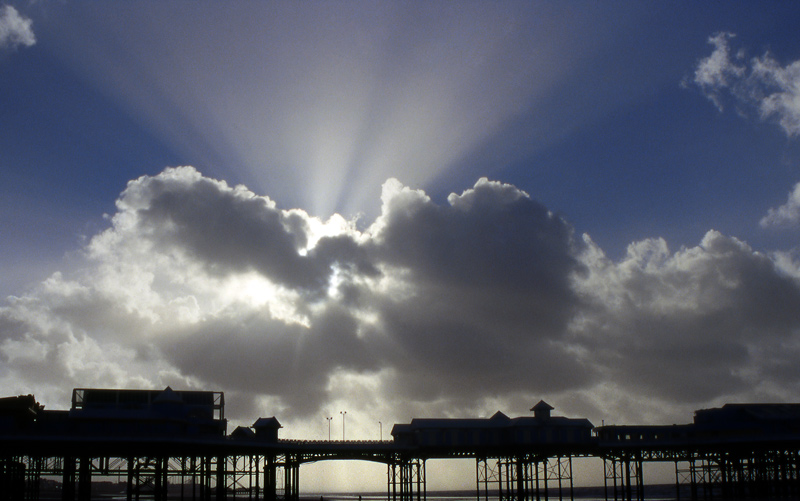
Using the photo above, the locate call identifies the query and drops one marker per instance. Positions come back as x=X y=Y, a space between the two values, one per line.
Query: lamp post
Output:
x=344 y=414
x=329 y=419
x=381 y=425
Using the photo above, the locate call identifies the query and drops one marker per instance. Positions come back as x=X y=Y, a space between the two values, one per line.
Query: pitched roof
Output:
x=242 y=432
x=270 y=422
x=542 y=406
x=168 y=396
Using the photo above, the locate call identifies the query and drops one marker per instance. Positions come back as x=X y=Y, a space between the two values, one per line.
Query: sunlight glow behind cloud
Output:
x=432 y=307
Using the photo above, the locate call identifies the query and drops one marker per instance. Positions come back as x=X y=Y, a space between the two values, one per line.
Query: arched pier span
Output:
x=165 y=444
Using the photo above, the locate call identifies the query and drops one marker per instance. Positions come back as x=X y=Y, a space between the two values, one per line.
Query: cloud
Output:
x=717 y=71
x=761 y=83
x=486 y=300
x=15 y=30
x=689 y=326
x=222 y=286
x=787 y=215
x=226 y=230
x=484 y=296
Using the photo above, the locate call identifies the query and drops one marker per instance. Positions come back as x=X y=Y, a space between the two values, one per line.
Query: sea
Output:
x=664 y=492
x=582 y=494
x=652 y=493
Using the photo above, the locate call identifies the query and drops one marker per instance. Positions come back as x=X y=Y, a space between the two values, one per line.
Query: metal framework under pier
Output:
x=207 y=477
x=623 y=478
x=721 y=472
x=406 y=479
x=520 y=478
x=740 y=474
x=406 y=475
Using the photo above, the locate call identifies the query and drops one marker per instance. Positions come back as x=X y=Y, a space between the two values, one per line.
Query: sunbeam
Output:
x=319 y=104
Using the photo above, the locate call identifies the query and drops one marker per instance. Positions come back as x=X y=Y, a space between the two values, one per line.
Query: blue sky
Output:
x=639 y=223
x=599 y=129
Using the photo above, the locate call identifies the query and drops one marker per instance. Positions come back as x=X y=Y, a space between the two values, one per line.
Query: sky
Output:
x=402 y=209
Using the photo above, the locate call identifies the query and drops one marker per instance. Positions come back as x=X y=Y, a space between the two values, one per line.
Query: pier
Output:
x=165 y=444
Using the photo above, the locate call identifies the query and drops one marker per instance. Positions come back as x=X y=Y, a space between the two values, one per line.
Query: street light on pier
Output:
x=381 y=425
x=329 y=419
x=344 y=414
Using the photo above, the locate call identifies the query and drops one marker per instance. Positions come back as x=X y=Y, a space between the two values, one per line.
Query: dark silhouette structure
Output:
x=738 y=451
x=516 y=458
x=166 y=444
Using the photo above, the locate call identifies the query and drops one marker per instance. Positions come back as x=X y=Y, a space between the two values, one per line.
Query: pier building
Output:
x=168 y=444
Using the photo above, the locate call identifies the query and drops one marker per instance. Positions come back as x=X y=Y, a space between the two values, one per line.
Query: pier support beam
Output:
x=740 y=474
x=33 y=473
x=623 y=478
x=85 y=479
x=291 y=478
x=522 y=478
x=12 y=478
x=221 y=475
x=407 y=479
x=68 y=479
x=270 y=479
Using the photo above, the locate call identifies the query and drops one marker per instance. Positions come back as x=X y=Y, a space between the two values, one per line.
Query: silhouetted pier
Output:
x=165 y=444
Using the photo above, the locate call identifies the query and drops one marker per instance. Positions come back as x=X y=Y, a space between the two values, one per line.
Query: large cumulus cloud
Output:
x=488 y=291
x=487 y=300
x=703 y=324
